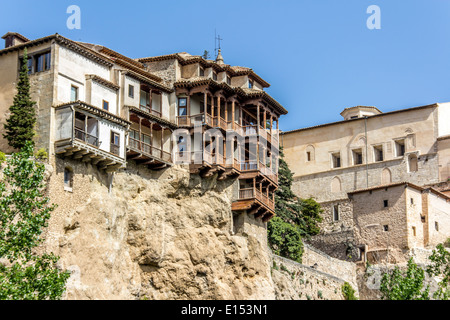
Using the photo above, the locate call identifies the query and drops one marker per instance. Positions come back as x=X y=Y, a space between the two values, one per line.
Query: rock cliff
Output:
x=154 y=235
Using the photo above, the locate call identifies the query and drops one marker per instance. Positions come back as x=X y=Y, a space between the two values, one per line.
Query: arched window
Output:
x=336 y=185
x=68 y=179
x=310 y=153
x=386 y=176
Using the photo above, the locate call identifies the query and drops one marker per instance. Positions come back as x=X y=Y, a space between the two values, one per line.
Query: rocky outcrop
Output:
x=154 y=235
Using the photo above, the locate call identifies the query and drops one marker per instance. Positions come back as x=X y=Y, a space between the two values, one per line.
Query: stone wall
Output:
x=294 y=281
x=318 y=185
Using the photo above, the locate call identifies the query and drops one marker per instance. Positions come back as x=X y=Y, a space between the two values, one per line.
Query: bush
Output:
x=2 y=157
x=42 y=154
x=285 y=239
x=348 y=292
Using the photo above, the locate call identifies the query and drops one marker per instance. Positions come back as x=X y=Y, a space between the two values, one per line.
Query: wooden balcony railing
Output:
x=252 y=193
x=148 y=149
x=148 y=109
x=86 y=137
x=183 y=121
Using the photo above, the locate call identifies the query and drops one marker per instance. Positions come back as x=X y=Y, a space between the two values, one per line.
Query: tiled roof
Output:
x=18 y=35
x=91 y=54
x=243 y=92
x=102 y=81
x=185 y=58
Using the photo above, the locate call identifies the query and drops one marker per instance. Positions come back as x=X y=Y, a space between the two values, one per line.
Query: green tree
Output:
x=24 y=213
x=348 y=292
x=19 y=126
x=408 y=285
x=296 y=218
x=440 y=267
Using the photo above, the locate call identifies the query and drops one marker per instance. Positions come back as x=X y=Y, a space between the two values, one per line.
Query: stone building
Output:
x=378 y=177
x=98 y=106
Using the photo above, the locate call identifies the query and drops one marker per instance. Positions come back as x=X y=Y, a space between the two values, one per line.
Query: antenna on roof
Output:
x=217 y=45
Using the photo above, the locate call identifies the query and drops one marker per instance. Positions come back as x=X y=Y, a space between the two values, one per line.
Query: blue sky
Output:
x=318 y=55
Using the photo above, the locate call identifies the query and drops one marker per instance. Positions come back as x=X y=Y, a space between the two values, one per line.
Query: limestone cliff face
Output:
x=154 y=235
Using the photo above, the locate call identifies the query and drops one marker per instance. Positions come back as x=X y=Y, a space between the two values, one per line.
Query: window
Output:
x=357 y=157
x=228 y=80
x=131 y=91
x=336 y=213
x=42 y=62
x=378 y=153
x=73 y=93
x=400 y=148
x=386 y=228
x=250 y=84
x=413 y=165
x=436 y=226
x=386 y=203
x=214 y=76
x=412 y=200
x=38 y=63
x=201 y=72
x=182 y=107
x=68 y=179
x=308 y=156
x=115 y=143
x=336 y=160
x=105 y=105
x=414 y=231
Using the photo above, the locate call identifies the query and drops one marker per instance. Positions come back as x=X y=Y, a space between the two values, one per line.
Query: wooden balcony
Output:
x=255 y=203
x=146 y=154
x=151 y=111
x=250 y=168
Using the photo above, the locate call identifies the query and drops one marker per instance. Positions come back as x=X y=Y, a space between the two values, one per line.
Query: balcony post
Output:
x=162 y=141
x=140 y=134
x=233 y=106
x=212 y=108
x=188 y=118
x=205 y=106
x=271 y=124
x=265 y=118
x=258 y=117
x=219 y=114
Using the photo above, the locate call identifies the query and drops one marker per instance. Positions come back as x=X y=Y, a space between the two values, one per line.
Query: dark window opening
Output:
x=386 y=203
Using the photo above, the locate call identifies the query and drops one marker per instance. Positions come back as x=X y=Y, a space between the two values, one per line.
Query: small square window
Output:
x=182 y=102
x=73 y=94
x=400 y=148
x=378 y=153
x=131 y=91
x=250 y=84
x=412 y=200
x=386 y=203
x=308 y=156
x=336 y=160
x=436 y=226
x=214 y=76
x=414 y=231
x=386 y=228
x=357 y=157
x=201 y=72
x=105 y=105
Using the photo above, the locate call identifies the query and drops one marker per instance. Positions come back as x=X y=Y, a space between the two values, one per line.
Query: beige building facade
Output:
x=378 y=177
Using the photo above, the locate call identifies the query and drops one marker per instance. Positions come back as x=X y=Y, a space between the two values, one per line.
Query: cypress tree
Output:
x=19 y=126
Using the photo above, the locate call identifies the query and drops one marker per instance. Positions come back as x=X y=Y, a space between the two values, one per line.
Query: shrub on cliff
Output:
x=24 y=213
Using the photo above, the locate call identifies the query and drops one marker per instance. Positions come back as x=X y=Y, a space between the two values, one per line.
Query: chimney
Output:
x=14 y=39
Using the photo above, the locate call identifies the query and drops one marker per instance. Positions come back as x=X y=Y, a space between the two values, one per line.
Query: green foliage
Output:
x=24 y=213
x=440 y=267
x=409 y=285
x=42 y=154
x=296 y=218
x=285 y=239
x=348 y=292
x=2 y=157
x=19 y=126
